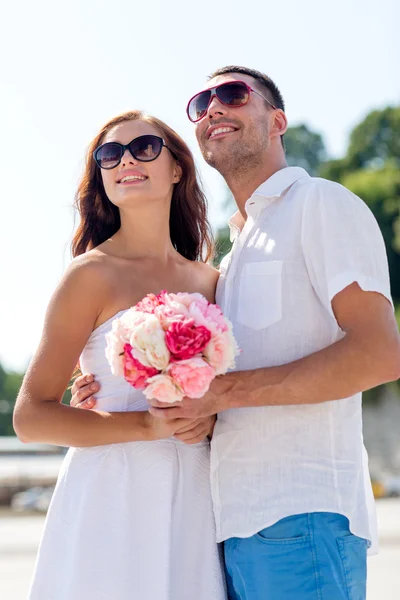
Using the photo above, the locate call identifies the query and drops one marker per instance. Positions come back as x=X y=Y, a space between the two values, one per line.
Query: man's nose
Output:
x=215 y=108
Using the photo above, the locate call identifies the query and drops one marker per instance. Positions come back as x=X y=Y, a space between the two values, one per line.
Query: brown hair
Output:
x=100 y=219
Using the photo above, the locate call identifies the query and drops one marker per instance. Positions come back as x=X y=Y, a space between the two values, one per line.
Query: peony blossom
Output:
x=134 y=372
x=174 y=307
x=184 y=339
x=149 y=338
x=171 y=346
x=150 y=302
x=208 y=315
x=164 y=389
x=114 y=353
x=193 y=376
x=220 y=352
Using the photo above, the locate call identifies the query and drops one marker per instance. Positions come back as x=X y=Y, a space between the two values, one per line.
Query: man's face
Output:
x=235 y=139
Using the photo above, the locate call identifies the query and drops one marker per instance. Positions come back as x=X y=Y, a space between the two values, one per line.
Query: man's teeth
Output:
x=132 y=178
x=221 y=130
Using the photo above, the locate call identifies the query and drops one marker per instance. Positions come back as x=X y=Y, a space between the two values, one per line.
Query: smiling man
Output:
x=306 y=287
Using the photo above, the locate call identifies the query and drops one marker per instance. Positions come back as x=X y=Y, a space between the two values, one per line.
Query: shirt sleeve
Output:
x=342 y=243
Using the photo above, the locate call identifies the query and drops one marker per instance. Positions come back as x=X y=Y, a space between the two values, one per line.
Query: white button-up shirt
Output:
x=304 y=240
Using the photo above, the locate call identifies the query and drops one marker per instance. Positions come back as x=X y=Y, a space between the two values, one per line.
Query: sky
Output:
x=67 y=68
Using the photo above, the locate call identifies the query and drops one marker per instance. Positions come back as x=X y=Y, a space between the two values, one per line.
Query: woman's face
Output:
x=134 y=181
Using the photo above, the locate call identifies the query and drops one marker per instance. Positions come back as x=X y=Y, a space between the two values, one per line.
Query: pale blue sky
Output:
x=68 y=68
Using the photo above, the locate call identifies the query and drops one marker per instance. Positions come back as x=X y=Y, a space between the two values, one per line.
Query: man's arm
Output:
x=367 y=356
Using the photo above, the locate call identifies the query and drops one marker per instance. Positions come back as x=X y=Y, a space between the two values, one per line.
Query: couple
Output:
x=306 y=286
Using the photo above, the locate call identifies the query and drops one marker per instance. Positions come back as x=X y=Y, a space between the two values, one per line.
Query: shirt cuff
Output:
x=366 y=283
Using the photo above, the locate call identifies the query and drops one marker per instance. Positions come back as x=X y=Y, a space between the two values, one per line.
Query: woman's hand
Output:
x=197 y=431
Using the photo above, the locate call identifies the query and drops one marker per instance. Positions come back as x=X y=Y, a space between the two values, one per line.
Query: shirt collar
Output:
x=264 y=195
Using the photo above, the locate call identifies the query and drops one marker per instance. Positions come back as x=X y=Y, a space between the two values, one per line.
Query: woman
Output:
x=131 y=515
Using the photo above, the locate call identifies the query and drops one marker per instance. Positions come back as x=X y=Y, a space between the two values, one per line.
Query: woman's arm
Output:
x=39 y=415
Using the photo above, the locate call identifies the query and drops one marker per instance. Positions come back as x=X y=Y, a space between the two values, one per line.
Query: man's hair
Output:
x=274 y=95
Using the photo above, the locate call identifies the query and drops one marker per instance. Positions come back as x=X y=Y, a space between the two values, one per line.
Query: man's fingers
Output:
x=156 y=404
x=84 y=393
x=86 y=404
x=190 y=425
x=81 y=381
x=189 y=434
x=166 y=413
x=192 y=437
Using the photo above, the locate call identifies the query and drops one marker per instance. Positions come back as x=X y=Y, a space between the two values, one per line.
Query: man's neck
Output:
x=243 y=185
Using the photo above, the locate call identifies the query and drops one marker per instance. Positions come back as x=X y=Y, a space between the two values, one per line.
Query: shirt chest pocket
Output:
x=260 y=294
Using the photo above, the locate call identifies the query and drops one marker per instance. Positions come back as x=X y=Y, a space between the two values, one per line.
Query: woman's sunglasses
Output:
x=144 y=148
x=233 y=93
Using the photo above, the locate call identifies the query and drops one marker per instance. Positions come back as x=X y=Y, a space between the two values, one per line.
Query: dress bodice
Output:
x=115 y=395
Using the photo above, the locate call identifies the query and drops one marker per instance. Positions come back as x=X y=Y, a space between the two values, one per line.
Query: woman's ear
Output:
x=177 y=173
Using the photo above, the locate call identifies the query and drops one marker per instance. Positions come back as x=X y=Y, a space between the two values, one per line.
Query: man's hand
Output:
x=197 y=431
x=214 y=401
x=188 y=430
x=82 y=392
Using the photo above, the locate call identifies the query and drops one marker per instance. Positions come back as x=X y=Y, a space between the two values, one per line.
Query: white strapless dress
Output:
x=130 y=521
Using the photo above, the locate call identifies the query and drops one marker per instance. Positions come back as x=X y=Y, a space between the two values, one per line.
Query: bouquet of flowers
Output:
x=171 y=346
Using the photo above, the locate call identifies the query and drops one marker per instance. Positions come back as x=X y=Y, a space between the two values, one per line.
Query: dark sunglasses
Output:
x=233 y=93
x=144 y=148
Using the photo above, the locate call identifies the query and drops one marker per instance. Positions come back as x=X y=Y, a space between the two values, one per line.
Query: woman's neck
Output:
x=143 y=233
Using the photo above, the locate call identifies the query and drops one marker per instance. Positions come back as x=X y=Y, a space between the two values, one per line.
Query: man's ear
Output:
x=280 y=123
x=177 y=174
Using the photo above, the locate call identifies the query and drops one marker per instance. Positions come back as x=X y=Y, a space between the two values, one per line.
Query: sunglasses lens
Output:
x=198 y=106
x=109 y=156
x=146 y=147
x=233 y=94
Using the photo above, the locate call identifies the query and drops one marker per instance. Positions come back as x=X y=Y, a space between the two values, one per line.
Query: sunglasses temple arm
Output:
x=264 y=98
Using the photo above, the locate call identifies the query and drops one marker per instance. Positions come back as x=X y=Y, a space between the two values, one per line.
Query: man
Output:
x=306 y=286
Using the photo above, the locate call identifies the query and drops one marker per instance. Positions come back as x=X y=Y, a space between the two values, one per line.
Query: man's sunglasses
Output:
x=144 y=148
x=233 y=93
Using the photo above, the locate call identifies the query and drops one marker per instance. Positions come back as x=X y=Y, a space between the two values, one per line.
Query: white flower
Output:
x=114 y=353
x=221 y=351
x=148 y=339
x=118 y=336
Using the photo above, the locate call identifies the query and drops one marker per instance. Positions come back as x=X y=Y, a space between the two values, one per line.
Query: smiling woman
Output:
x=133 y=495
x=100 y=218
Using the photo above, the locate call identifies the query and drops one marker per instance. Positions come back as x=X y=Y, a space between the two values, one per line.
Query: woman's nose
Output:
x=127 y=158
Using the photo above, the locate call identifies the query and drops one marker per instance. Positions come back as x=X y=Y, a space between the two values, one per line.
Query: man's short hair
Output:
x=265 y=82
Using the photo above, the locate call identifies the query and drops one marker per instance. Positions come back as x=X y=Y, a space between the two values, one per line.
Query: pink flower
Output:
x=193 y=376
x=209 y=315
x=171 y=345
x=220 y=352
x=134 y=372
x=150 y=302
x=172 y=309
x=184 y=339
x=188 y=299
x=164 y=389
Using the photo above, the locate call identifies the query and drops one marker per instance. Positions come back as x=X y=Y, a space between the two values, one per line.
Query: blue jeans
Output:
x=303 y=557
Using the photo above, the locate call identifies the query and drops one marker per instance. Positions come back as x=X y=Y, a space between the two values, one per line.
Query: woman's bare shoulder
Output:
x=206 y=280
x=93 y=264
x=207 y=270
